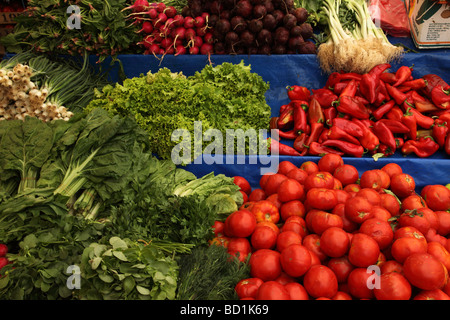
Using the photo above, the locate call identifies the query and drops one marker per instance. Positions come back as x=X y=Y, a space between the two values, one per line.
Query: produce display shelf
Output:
x=285 y=70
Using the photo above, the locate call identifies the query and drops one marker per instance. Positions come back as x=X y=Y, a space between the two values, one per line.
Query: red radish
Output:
x=161 y=19
x=138 y=6
x=154 y=48
x=170 y=11
x=179 y=33
x=198 y=41
x=190 y=34
x=194 y=50
x=152 y=13
x=201 y=31
x=189 y=22
x=3 y=249
x=178 y=20
x=160 y=7
x=208 y=38
x=147 y=27
x=148 y=41
x=206 y=48
x=166 y=43
x=199 y=22
x=180 y=50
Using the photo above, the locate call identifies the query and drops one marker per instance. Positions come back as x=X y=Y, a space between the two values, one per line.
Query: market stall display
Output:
x=119 y=196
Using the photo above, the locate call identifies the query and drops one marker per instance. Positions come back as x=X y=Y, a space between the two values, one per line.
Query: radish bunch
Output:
x=256 y=26
x=166 y=31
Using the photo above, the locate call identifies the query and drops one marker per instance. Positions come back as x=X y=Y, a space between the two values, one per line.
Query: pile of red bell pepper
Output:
x=376 y=113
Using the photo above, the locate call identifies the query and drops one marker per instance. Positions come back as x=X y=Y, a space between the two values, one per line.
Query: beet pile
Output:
x=255 y=26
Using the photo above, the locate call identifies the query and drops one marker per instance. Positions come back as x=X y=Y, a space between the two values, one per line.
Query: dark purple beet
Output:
x=244 y=8
x=269 y=6
x=295 y=31
x=269 y=22
x=252 y=50
x=259 y=11
x=225 y=14
x=216 y=7
x=228 y=4
x=281 y=35
x=247 y=38
x=238 y=24
x=265 y=49
x=278 y=15
x=295 y=43
x=301 y=14
x=307 y=30
x=219 y=48
x=255 y=2
x=218 y=36
x=264 y=37
x=231 y=38
x=223 y=26
x=279 y=49
x=255 y=26
x=289 y=21
x=308 y=47
x=212 y=20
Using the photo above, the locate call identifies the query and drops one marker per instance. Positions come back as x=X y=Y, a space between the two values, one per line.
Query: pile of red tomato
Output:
x=320 y=231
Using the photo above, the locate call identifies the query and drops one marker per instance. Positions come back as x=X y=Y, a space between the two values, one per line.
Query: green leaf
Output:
x=118 y=243
x=106 y=277
x=120 y=255
x=142 y=290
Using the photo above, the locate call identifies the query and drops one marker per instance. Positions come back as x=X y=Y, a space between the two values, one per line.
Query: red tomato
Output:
x=284 y=278
x=218 y=227
x=298 y=174
x=341 y=268
x=239 y=248
x=265 y=264
x=340 y=295
x=375 y=179
x=364 y=250
x=312 y=242
x=220 y=241
x=391 y=266
x=296 y=291
x=263 y=238
x=379 y=230
x=273 y=182
x=390 y=203
x=346 y=174
x=433 y=236
x=380 y=213
x=431 y=216
x=321 y=198
x=329 y=162
x=424 y=271
x=3 y=249
x=437 y=197
x=320 y=281
x=257 y=195
x=322 y=220
x=244 y=196
x=341 y=196
x=393 y=286
x=403 y=185
x=444 y=222
x=272 y=290
x=438 y=251
x=334 y=242
x=402 y=248
x=248 y=288
x=435 y=294
x=290 y=189
x=321 y=179
x=414 y=219
x=358 y=209
x=352 y=188
x=265 y=210
x=285 y=166
x=410 y=232
x=358 y=281
x=298 y=226
x=371 y=195
x=347 y=225
x=392 y=169
x=274 y=199
x=242 y=183
x=241 y=223
x=264 y=178
x=268 y=224
x=310 y=167
x=292 y=208
x=295 y=260
x=413 y=201
x=287 y=238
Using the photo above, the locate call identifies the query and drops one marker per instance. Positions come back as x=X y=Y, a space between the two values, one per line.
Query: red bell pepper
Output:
x=416 y=84
x=379 y=69
x=316 y=120
x=422 y=120
x=440 y=131
x=445 y=116
x=395 y=113
x=410 y=121
x=336 y=133
x=283 y=149
x=402 y=74
x=283 y=108
x=317 y=149
x=286 y=119
x=300 y=117
x=324 y=135
x=441 y=97
x=330 y=114
x=350 y=76
x=333 y=79
x=399 y=142
x=298 y=93
x=396 y=94
x=339 y=87
x=447 y=145
x=300 y=141
x=273 y=123
x=396 y=126
x=369 y=140
x=355 y=150
x=289 y=135
x=385 y=150
x=388 y=77
x=383 y=109
x=348 y=126
x=422 y=133
x=350 y=89
x=423 y=148
x=385 y=135
x=324 y=96
x=368 y=87
x=353 y=107
x=421 y=103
